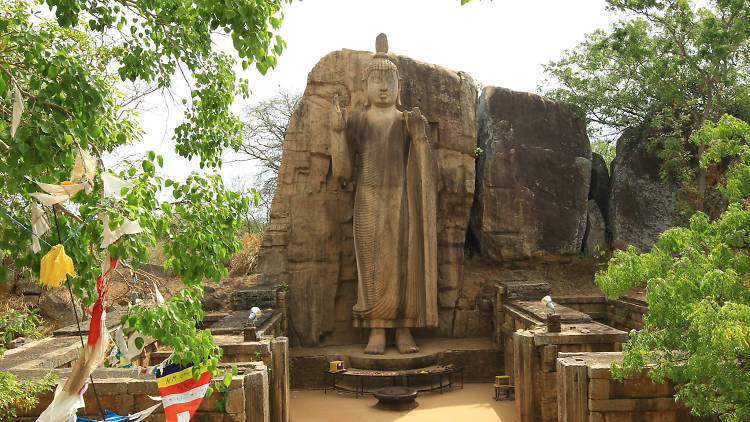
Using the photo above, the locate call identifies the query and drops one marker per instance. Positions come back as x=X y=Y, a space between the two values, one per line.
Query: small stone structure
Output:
x=535 y=354
x=259 y=393
x=586 y=392
x=530 y=352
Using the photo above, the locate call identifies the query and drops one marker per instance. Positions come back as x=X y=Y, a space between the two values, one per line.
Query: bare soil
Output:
x=474 y=403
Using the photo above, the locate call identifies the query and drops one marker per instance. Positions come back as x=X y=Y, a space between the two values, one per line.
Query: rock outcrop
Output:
x=532 y=177
x=641 y=207
x=308 y=243
x=595 y=239
x=599 y=189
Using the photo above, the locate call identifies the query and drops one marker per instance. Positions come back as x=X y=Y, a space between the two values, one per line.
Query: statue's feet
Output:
x=405 y=341
x=376 y=344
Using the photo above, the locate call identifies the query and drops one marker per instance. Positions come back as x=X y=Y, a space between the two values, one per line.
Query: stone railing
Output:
x=586 y=392
x=123 y=392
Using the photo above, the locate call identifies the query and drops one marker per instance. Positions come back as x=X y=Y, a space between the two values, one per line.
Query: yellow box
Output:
x=502 y=380
x=336 y=365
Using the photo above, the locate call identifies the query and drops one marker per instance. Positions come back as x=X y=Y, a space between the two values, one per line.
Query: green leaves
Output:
x=668 y=68
x=21 y=393
x=209 y=216
x=697 y=330
x=58 y=87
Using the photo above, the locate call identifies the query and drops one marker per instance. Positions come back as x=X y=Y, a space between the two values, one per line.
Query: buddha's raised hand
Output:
x=415 y=123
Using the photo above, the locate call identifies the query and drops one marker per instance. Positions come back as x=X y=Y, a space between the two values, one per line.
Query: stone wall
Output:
x=123 y=392
x=308 y=243
x=586 y=392
x=535 y=355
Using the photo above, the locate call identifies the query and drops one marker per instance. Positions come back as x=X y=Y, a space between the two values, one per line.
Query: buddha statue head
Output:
x=382 y=83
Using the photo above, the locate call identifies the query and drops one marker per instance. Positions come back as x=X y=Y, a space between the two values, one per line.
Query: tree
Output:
x=697 y=330
x=667 y=70
x=265 y=125
x=62 y=103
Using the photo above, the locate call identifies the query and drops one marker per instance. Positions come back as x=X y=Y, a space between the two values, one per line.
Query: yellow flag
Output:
x=55 y=265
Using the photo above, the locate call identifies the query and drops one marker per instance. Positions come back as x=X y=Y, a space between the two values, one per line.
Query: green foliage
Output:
x=21 y=394
x=67 y=71
x=605 y=148
x=15 y=323
x=667 y=69
x=697 y=330
x=671 y=56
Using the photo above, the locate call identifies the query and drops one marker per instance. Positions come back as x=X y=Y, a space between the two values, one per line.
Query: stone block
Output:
x=235 y=402
x=447 y=298
x=472 y=323
x=599 y=388
x=263 y=297
x=518 y=290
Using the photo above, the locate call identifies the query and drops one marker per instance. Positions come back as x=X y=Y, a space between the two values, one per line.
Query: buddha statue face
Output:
x=382 y=88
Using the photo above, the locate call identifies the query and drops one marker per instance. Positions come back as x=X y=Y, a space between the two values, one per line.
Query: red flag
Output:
x=180 y=393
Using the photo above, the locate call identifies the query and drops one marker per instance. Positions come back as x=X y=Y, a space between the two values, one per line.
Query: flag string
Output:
x=24 y=227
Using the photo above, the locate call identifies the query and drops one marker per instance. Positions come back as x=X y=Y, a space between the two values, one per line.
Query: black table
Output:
x=408 y=378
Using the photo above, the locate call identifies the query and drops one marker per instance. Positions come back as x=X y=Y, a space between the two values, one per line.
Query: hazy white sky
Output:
x=500 y=43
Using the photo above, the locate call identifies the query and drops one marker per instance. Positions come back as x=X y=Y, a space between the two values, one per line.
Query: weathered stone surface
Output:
x=595 y=241
x=7 y=285
x=523 y=290
x=263 y=297
x=308 y=243
x=640 y=206
x=532 y=177
x=27 y=286
x=55 y=304
x=473 y=323
x=599 y=188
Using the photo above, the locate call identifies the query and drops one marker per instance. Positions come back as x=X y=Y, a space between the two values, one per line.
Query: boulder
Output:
x=55 y=304
x=595 y=239
x=599 y=189
x=308 y=243
x=641 y=207
x=533 y=177
x=27 y=286
x=11 y=275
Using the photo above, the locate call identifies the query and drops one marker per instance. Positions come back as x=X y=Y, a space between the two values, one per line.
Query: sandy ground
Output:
x=474 y=403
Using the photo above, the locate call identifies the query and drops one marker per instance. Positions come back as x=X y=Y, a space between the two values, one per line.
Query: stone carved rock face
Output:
x=382 y=88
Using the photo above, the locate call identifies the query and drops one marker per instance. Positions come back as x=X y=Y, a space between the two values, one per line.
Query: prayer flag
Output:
x=55 y=266
x=180 y=393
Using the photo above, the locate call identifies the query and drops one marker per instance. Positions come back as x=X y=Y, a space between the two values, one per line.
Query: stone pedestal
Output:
x=535 y=355
x=586 y=392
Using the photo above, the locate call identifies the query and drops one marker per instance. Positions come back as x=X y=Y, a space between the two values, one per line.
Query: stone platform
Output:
x=480 y=358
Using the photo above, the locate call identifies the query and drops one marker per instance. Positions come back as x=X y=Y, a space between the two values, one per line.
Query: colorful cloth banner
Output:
x=39 y=225
x=110 y=236
x=113 y=185
x=180 y=393
x=57 y=193
x=114 y=417
x=55 y=266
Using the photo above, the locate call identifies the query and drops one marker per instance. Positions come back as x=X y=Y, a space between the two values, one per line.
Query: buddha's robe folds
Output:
x=394 y=224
